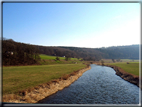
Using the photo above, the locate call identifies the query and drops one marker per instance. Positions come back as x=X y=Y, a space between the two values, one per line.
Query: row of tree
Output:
x=16 y=53
x=94 y=54
x=74 y=52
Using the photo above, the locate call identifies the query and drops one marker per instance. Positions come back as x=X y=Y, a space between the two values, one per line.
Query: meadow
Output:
x=132 y=67
x=43 y=56
x=47 y=59
x=122 y=60
x=17 y=78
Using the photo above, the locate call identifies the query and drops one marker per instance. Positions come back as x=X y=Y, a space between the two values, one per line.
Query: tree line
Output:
x=121 y=52
x=94 y=54
x=16 y=53
x=71 y=52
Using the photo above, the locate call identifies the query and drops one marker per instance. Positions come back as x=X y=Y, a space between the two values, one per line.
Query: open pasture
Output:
x=43 y=56
x=132 y=67
x=129 y=60
x=121 y=60
x=46 y=59
x=19 y=78
x=107 y=60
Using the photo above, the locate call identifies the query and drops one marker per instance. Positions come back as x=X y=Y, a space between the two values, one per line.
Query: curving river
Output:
x=99 y=85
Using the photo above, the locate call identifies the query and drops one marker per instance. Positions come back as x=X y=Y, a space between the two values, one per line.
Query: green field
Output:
x=43 y=56
x=132 y=67
x=129 y=60
x=46 y=60
x=122 y=60
x=18 y=78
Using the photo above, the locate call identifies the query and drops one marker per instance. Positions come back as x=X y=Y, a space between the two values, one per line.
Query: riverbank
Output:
x=126 y=76
x=44 y=90
x=99 y=85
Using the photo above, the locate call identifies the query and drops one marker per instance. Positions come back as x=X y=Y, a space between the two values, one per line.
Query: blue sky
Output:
x=89 y=25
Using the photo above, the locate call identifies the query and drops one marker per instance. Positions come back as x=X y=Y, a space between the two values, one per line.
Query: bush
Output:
x=67 y=58
x=57 y=58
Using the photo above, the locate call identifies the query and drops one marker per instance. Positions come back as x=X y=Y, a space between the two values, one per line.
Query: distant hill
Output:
x=114 y=52
x=122 y=52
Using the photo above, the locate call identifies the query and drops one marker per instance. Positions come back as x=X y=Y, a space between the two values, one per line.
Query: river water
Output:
x=99 y=85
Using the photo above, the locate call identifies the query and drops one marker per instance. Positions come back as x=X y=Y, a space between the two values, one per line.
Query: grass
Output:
x=132 y=67
x=129 y=60
x=122 y=60
x=46 y=59
x=19 y=78
x=43 y=56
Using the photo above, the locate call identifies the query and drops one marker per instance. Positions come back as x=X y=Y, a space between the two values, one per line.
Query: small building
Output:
x=9 y=52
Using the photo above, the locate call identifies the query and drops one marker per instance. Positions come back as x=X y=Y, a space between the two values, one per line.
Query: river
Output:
x=99 y=85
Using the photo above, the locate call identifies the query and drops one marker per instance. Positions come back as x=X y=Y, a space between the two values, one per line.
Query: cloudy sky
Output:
x=90 y=25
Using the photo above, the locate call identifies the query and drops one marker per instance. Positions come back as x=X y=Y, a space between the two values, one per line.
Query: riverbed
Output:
x=99 y=85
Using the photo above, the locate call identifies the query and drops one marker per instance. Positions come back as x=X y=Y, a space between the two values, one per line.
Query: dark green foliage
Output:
x=14 y=53
x=57 y=58
x=67 y=58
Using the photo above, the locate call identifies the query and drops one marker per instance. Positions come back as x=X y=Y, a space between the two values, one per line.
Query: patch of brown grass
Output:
x=41 y=90
x=6 y=98
x=36 y=87
x=28 y=99
x=65 y=77
x=73 y=73
x=30 y=89
x=55 y=81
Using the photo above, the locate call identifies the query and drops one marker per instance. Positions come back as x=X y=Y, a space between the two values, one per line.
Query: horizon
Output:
x=84 y=25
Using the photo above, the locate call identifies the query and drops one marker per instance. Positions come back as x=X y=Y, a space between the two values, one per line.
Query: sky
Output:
x=90 y=25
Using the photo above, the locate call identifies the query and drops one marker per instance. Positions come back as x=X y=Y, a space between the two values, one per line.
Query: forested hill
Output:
x=119 y=52
x=122 y=52
x=114 y=52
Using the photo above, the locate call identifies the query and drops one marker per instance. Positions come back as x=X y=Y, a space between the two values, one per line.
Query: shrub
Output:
x=57 y=58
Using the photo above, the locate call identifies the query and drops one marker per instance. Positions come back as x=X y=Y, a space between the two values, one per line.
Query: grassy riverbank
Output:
x=19 y=78
x=132 y=67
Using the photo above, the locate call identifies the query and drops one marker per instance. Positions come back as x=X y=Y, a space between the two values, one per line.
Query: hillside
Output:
x=94 y=54
x=122 y=52
x=115 y=52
